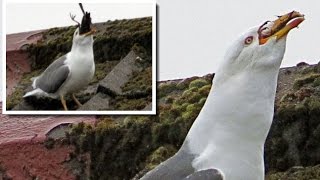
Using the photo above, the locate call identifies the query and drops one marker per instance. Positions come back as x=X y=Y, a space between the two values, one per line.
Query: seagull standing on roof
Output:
x=71 y=72
x=226 y=141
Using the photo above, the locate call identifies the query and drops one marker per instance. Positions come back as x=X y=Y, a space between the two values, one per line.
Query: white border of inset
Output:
x=109 y=112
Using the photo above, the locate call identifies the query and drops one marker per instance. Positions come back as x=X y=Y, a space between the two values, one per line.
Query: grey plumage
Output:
x=54 y=76
x=178 y=166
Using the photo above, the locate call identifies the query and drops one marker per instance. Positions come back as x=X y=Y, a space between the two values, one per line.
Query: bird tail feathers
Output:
x=36 y=92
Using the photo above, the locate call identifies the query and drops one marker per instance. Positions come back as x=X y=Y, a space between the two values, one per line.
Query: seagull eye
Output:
x=248 y=40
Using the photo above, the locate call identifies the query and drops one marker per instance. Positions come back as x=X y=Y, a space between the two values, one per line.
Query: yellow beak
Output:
x=282 y=26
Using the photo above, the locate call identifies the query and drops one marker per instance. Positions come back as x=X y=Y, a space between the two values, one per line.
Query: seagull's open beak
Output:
x=92 y=31
x=281 y=26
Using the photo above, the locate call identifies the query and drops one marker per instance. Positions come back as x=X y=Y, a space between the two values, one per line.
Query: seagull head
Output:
x=83 y=39
x=261 y=47
x=84 y=33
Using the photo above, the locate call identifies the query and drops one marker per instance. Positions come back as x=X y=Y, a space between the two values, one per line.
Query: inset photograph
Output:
x=80 y=58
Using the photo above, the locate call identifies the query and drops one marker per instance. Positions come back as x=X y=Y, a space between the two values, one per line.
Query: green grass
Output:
x=310 y=78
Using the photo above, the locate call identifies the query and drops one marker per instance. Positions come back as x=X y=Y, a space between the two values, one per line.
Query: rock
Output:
x=89 y=91
x=300 y=64
x=59 y=131
x=120 y=75
x=98 y=102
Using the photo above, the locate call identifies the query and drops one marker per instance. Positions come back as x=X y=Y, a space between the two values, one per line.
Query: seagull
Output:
x=72 y=71
x=226 y=141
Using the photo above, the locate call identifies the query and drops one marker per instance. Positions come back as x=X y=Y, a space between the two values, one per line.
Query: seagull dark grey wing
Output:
x=178 y=166
x=208 y=174
x=56 y=64
x=54 y=76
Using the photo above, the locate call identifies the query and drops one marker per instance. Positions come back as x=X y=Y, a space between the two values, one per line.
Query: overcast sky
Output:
x=193 y=34
x=26 y=17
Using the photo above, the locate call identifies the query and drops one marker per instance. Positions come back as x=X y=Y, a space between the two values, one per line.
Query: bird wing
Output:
x=54 y=76
x=208 y=174
x=178 y=166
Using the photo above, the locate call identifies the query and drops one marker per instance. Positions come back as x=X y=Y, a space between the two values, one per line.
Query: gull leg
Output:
x=63 y=103
x=76 y=100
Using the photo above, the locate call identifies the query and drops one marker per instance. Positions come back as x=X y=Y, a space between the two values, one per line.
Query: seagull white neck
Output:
x=82 y=55
x=86 y=47
x=247 y=97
